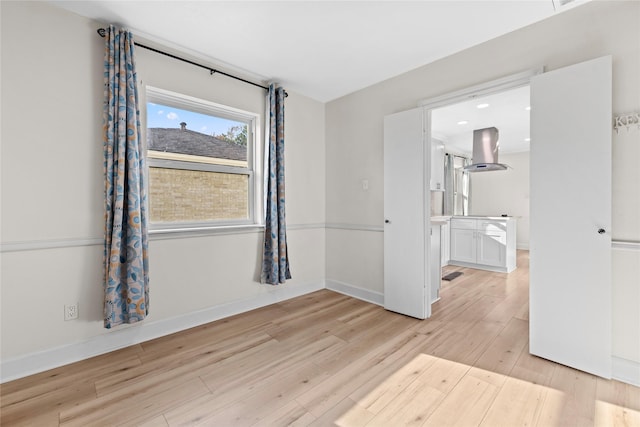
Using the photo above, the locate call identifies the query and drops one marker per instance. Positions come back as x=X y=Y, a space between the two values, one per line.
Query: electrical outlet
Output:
x=71 y=312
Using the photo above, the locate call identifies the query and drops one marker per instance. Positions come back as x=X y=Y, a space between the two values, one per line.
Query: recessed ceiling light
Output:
x=463 y=122
x=482 y=105
x=528 y=108
x=527 y=139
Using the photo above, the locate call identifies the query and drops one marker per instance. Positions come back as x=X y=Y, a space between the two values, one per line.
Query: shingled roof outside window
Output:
x=193 y=143
x=202 y=176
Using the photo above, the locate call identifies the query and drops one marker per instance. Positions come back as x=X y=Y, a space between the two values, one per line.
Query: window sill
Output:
x=200 y=231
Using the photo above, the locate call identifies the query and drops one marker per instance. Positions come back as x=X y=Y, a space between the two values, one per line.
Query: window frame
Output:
x=253 y=170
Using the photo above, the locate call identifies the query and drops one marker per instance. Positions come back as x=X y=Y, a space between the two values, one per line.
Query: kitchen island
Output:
x=483 y=242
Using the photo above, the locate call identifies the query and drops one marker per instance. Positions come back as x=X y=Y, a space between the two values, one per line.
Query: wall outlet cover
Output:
x=71 y=311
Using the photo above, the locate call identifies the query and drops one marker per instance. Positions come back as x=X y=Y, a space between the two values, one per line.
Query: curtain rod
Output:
x=102 y=32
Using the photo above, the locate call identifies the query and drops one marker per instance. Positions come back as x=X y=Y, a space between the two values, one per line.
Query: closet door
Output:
x=406 y=248
x=570 y=247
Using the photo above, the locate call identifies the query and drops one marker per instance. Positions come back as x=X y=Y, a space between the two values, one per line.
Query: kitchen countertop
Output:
x=442 y=219
x=483 y=217
x=439 y=220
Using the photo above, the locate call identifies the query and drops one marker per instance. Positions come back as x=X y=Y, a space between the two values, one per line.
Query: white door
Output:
x=570 y=246
x=405 y=243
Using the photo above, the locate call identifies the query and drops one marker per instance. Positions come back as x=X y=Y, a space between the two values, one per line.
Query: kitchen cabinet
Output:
x=463 y=245
x=445 y=236
x=487 y=243
x=436 y=272
x=437 y=165
x=492 y=248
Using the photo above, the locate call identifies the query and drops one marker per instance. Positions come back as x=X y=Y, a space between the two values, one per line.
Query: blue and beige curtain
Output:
x=275 y=261
x=126 y=262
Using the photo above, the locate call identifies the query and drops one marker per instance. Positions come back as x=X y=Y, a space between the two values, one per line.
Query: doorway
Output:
x=488 y=194
x=570 y=276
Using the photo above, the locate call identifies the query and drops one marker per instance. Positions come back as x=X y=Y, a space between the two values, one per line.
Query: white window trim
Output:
x=254 y=170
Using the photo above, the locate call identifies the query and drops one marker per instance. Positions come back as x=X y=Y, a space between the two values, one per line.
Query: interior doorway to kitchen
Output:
x=570 y=116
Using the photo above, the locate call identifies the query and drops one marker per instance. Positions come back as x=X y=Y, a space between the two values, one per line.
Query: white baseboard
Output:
x=355 y=292
x=129 y=335
x=626 y=371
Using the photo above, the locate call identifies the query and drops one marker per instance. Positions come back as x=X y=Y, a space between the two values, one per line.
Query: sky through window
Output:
x=163 y=116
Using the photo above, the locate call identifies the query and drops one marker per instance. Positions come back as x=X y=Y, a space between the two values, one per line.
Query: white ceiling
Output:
x=321 y=49
x=507 y=111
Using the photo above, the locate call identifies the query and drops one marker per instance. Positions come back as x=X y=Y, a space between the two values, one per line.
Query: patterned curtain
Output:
x=275 y=261
x=126 y=262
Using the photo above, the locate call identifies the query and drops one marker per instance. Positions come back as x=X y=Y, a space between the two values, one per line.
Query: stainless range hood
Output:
x=485 y=151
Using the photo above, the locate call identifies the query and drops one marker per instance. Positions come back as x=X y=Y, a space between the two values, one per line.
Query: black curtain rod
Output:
x=102 y=32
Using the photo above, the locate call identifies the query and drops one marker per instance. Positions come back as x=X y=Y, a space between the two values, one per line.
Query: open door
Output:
x=406 y=247
x=570 y=247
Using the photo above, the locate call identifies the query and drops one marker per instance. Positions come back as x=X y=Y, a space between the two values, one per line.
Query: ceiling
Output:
x=507 y=111
x=320 y=49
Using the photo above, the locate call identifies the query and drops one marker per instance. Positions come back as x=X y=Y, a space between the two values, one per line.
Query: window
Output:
x=201 y=158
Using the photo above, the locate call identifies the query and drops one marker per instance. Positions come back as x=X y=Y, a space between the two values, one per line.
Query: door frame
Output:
x=512 y=81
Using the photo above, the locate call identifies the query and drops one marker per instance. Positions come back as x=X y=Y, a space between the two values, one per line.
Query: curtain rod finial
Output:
x=102 y=32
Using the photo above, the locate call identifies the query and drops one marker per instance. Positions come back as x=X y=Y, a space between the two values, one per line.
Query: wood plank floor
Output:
x=327 y=359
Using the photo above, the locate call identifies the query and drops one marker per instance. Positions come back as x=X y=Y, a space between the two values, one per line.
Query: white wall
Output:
x=52 y=197
x=504 y=192
x=355 y=138
x=51 y=179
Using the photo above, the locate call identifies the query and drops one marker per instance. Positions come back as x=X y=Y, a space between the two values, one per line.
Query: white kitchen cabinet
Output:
x=491 y=248
x=436 y=272
x=487 y=243
x=437 y=165
x=463 y=245
x=445 y=236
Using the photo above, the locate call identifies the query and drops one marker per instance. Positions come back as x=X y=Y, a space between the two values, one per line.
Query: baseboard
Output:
x=114 y=340
x=626 y=371
x=623 y=370
x=356 y=292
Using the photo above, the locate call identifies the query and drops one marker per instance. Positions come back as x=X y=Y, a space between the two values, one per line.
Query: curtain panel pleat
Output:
x=275 y=261
x=126 y=261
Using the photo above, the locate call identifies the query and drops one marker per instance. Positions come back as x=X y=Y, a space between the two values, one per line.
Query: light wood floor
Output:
x=327 y=359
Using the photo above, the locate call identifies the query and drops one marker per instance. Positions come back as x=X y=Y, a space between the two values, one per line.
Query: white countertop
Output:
x=439 y=220
x=484 y=217
x=443 y=219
